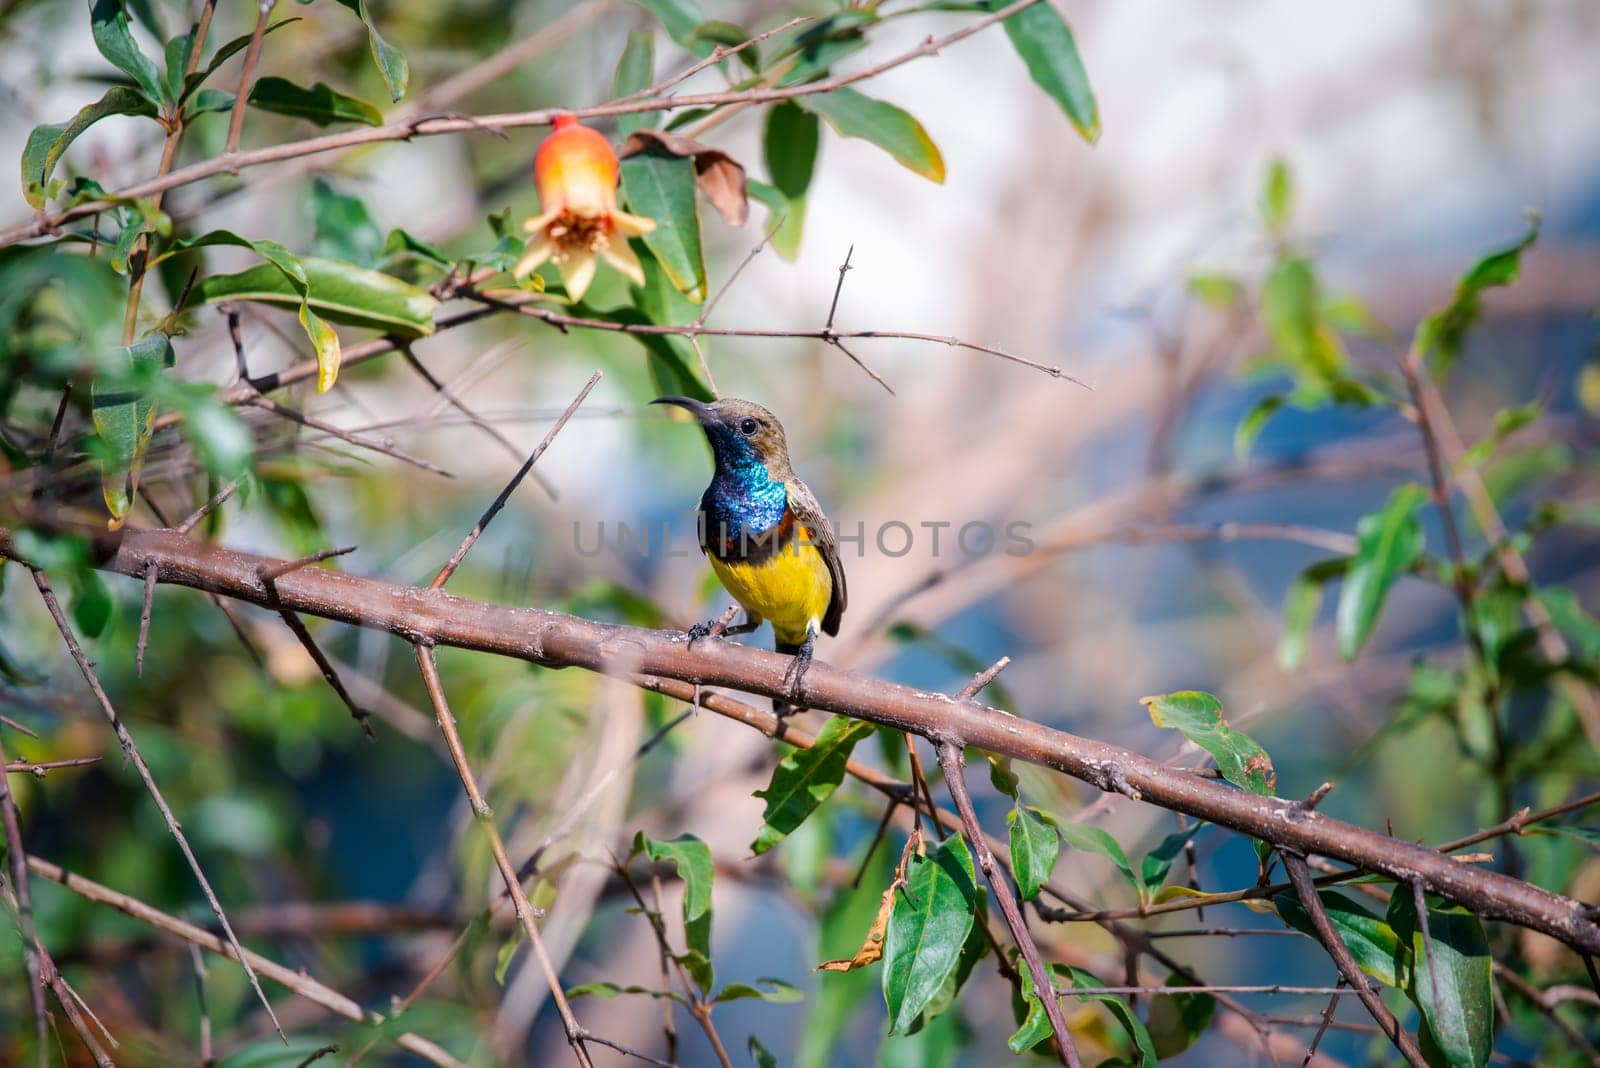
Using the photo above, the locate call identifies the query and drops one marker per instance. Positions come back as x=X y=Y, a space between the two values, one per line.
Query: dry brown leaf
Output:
x=719 y=176
x=872 y=947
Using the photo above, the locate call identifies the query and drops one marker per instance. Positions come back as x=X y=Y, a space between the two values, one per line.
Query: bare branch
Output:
x=510 y=487
x=137 y=759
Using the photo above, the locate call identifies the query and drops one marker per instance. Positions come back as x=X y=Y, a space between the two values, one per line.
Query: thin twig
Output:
x=44 y=222
x=357 y=440
x=952 y=761
x=38 y=769
x=247 y=74
x=294 y=980
x=198 y=963
x=1300 y=876
x=15 y=856
x=217 y=500
x=510 y=487
x=137 y=759
x=144 y=619
x=1327 y=1018
x=485 y=818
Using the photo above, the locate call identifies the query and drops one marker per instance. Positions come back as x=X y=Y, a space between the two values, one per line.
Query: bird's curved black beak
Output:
x=700 y=409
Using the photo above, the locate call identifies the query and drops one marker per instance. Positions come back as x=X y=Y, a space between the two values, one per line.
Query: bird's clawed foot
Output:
x=719 y=627
x=793 y=679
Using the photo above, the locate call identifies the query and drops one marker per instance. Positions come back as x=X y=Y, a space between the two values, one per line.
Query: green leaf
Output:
x=890 y=128
x=225 y=53
x=46 y=143
x=1388 y=542
x=789 y=141
x=928 y=927
x=1370 y=939
x=1216 y=288
x=1036 y=1026
x=1507 y=421
x=1277 y=196
x=760 y=1054
x=113 y=36
x=1124 y=1013
x=1199 y=717
x=1044 y=41
x=1034 y=848
x=1440 y=335
x=321 y=103
x=91 y=603
x=1300 y=606
x=1158 y=862
x=391 y=64
x=502 y=958
x=1092 y=839
x=1459 y=1011
x=635 y=70
x=207 y=101
x=845 y=925
x=661 y=186
x=805 y=778
x=340 y=292
x=692 y=858
x=781 y=993
x=124 y=413
x=342 y=227
x=1177 y=1020
x=682 y=20
x=1254 y=421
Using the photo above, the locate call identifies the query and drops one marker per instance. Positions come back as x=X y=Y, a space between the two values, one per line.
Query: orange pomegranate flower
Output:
x=576 y=171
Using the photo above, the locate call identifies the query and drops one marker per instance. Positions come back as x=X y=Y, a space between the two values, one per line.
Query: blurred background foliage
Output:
x=1278 y=197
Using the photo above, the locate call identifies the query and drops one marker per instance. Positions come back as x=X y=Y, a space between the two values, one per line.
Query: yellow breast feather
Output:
x=790 y=589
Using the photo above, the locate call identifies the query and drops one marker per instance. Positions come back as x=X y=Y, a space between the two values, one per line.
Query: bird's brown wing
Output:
x=809 y=513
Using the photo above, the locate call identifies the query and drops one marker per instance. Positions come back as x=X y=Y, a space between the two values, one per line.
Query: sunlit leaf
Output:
x=635 y=70
x=1034 y=847
x=661 y=186
x=1388 y=542
x=1198 y=716
x=46 y=143
x=892 y=129
x=124 y=411
x=391 y=64
x=1370 y=939
x=805 y=778
x=113 y=36
x=321 y=103
x=1459 y=1011
x=692 y=858
x=1440 y=335
x=1277 y=196
x=928 y=927
x=1300 y=606
x=1045 y=42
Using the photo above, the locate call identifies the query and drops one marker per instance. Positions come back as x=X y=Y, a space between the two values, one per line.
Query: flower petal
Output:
x=577 y=271
x=538 y=251
x=539 y=222
x=622 y=257
x=631 y=225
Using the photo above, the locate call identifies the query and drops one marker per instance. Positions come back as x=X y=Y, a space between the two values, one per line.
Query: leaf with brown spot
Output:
x=719 y=176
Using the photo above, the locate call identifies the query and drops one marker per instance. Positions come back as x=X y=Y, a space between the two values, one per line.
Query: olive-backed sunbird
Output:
x=765 y=534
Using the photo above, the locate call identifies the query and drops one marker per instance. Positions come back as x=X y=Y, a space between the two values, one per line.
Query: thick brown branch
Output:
x=557 y=640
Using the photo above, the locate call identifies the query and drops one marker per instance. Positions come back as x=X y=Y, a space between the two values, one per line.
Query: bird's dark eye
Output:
x=748 y=427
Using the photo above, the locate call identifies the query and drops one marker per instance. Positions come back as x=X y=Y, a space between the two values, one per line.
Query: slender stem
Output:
x=137 y=759
x=16 y=860
x=1300 y=876
x=485 y=818
x=955 y=780
x=247 y=74
x=292 y=979
x=510 y=487
x=433 y=127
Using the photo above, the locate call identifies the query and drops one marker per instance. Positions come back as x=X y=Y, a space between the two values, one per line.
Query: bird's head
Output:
x=739 y=431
